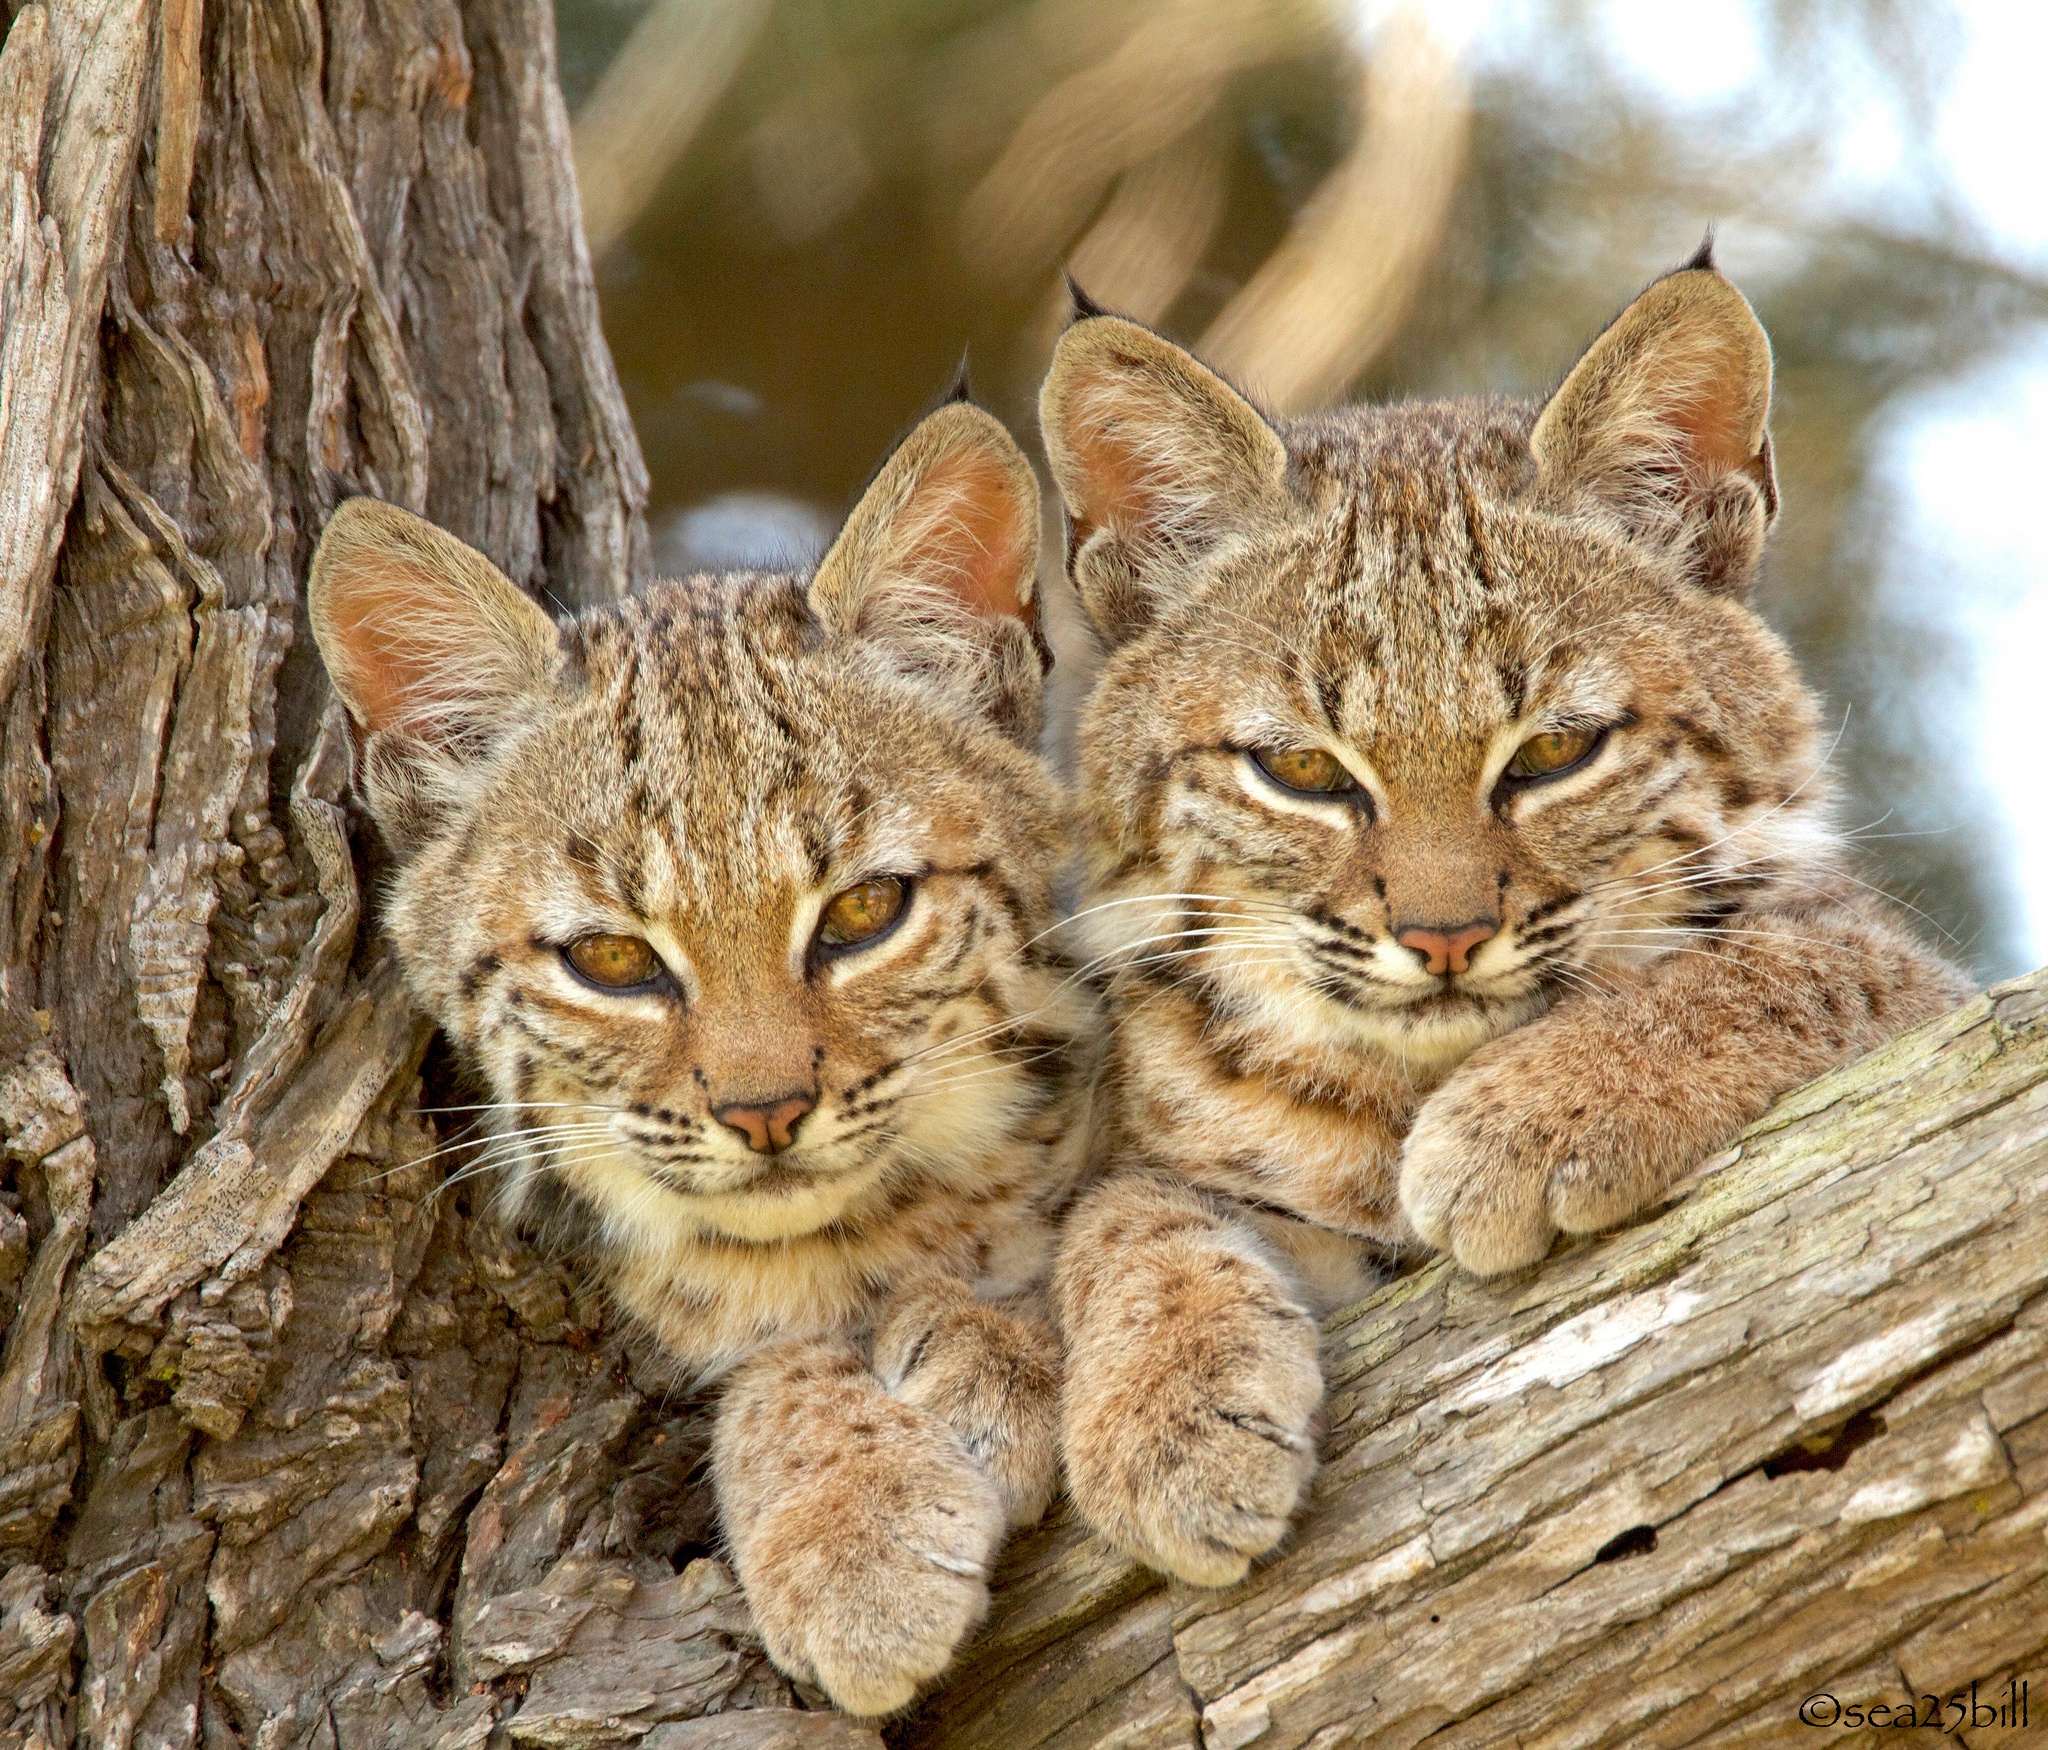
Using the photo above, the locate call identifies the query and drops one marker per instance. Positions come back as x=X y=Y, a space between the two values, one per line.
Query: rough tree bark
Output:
x=294 y=1450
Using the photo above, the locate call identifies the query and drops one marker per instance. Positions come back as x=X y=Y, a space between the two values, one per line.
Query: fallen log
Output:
x=1781 y=1444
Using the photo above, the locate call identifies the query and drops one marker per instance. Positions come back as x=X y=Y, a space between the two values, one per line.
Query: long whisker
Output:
x=1819 y=766
x=490 y=1141
x=1078 y=975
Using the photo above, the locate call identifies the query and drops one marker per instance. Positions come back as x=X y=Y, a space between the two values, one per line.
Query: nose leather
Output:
x=770 y=1127
x=1446 y=950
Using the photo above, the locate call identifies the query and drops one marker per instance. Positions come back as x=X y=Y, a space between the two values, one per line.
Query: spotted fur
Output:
x=1668 y=933
x=702 y=768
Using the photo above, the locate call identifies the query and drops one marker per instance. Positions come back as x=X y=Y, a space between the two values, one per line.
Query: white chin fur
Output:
x=1443 y=1036
x=638 y=1209
x=787 y=1216
x=1425 y=1037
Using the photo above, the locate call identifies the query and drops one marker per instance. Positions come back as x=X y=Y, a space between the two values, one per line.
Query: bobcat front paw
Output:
x=867 y=1575
x=1190 y=1425
x=992 y=1374
x=1508 y=1152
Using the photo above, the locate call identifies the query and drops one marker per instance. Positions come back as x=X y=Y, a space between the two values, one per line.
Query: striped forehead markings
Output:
x=1329 y=693
x=1477 y=543
x=1514 y=685
x=626 y=715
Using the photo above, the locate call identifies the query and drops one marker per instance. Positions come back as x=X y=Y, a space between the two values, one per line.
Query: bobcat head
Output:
x=1417 y=717
x=733 y=891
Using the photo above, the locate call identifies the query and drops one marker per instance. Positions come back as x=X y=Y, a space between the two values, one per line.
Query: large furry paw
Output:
x=1512 y=1150
x=867 y=1575
x=991 y=1373
x=1191 y=1415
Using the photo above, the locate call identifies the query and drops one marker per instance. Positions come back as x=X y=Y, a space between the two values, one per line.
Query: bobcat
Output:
x=1459 y=850
x=737 y=893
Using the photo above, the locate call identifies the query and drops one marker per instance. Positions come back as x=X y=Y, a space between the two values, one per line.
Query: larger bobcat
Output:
x=737 y=892
x=1461 y=847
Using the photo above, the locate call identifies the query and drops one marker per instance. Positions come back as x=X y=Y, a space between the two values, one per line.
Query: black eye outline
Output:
x=1352 y=791
x=823 y=951
x=658 y=981
x=1512 y=782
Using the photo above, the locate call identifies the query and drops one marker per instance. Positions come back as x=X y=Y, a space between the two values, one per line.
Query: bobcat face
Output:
x=744 y=972
x=1401 y=739
x=1407 y=805
x=736 y=891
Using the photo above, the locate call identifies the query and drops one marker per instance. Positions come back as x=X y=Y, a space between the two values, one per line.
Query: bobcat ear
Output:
x=936 y=567
x=1159 y=460
x=432 y=649
x=1663 y=421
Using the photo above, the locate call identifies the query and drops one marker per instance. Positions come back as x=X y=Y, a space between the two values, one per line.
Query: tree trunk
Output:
x=293 y=1451
x=1785 y=1444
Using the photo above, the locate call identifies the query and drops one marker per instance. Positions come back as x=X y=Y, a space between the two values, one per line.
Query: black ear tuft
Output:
x=1703 y=256
x=960 y=388
x=1084 y=306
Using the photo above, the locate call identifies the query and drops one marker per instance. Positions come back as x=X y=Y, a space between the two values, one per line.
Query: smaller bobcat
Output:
x=1460 y=849
x=737 y=893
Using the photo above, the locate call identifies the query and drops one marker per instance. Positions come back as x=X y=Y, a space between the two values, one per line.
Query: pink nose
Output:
x=770 y=1128
x=1446 y=950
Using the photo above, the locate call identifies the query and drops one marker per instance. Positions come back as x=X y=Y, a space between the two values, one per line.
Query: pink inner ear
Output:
x=1118 y=487
x=1122 y=490
x=391 y=674
x=1713 y=420
x=980 y=550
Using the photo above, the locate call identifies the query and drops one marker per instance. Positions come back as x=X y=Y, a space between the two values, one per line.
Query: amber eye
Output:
x=1308 y=769
x=862 y=913
x=616 y=962
x=1556 y=750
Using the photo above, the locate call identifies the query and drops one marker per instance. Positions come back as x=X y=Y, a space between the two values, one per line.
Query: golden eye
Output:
x=862 y=913
x=1308 y=769
x=616 y=962
x=1553 y=751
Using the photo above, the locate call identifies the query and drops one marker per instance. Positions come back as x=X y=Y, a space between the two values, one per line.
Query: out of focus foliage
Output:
x=808 y=209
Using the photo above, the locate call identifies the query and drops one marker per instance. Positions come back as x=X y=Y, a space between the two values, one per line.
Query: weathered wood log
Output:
x=1786 y=1439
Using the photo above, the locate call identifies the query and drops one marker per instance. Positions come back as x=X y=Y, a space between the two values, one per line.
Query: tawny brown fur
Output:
x=1668 y=935
x=702 y=768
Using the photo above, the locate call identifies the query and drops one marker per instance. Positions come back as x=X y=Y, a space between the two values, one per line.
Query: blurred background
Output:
x=805 y=211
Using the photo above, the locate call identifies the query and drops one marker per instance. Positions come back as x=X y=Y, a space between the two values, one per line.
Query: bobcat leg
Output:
x=1582 y=1118
x=991 y=1371
x=861 y=1526
x=1192 y=1379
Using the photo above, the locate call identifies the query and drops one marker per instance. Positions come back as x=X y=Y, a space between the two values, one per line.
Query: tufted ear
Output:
x=1159 y=461
x=434 y=652
x=1664 y=423
x=937 y=566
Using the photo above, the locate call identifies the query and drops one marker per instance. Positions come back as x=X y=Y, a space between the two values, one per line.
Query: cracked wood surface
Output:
x=1788 y=1436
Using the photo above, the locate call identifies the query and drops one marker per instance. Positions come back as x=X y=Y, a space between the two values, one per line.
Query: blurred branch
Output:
x=1139 y=256
x=1164 y=79
x=655 y=95
x=1343 y=279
